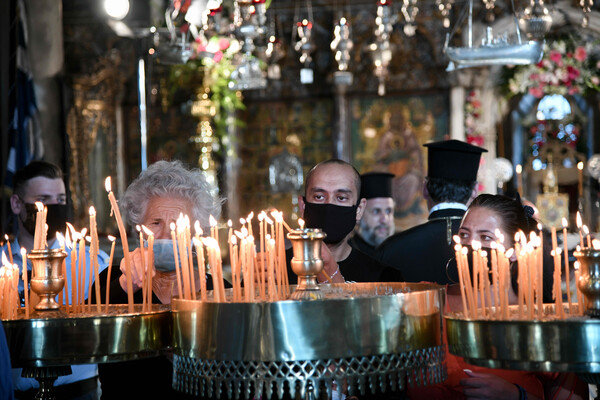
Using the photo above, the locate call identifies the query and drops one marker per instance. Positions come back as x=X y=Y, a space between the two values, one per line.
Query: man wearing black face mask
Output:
x=42 y=181
x=332 y=203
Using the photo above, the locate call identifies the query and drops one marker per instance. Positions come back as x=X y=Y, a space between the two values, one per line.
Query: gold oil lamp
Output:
x=307 y=262
x=47 y=279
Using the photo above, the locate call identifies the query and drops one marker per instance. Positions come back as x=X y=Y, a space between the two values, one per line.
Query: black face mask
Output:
x=58 y=215
x=336 y=221
x=452 y=269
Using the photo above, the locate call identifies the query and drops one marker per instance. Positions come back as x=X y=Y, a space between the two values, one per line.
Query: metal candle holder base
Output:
x=589 y=280
x=372 y=336
x=307 y=262
x=47 y=279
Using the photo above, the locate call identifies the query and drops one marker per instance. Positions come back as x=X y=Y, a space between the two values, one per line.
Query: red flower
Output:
x=556 y=57
x=223 y=44
x=572 y=72
x=580 y=54
x=573 y=90
x=536 y=92
x=218 y=56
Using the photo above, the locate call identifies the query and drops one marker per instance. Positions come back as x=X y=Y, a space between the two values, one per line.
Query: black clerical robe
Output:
x=422 y=252
x=357 y=242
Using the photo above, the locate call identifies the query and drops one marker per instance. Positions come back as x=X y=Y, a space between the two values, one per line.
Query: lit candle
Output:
x=39 y=226
x=579 y=227
x=301 y=223
x=200 y=260
x=566 y=257
x=519 y=170
x=142 y=278
x=177 y=269
x=596 y=244
x=580 y=178
x=25 y=282
x=461 y=281
x=95 y=246
x=586 y=232
x=10 y=255
x=150 y=269
x=123 y=233
x=112 y=239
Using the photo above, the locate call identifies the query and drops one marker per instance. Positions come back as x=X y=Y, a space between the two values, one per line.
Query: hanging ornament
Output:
x=489 y=6
x=380 y=49
x=586 y=6
x=341 y=46
x=248 y=74
x=305 y=47
x=445 y=8
x=410 y=10
x=536 y=20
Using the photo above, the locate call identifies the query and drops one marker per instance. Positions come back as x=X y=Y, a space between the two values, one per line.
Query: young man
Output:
x=42 y=181
x=332 y=203
x=377 y=223
x=422 y=252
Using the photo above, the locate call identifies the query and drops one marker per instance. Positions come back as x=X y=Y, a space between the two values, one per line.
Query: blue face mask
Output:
x=164 y=259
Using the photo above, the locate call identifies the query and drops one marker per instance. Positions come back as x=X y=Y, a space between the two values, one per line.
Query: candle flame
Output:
x=483 y=253
x=519 y=168
x=138 y=228
x=229 y=223
x=576 y=265
x=92 y=211
x=269 y=220
x=586 y=230
x=23 y=252
x=239 y=234
x=83 y=232
x=457 y=247
x=501 y=248
x=147 y=231
x=107 y=184
x=242 y=221
x=111 y=238
x=558 y=251
x=509 y=253
x=476 y=245
x=580 y=165
x=88 y=239
x=197 y=242
x=250 y=216
x=301 y=223
x=233 y=240
x=261 y=216
x=564 y=222
x=499 y=235
x=6 y=237
x=578 y=220
x=4 y=259
x=464 y=251
x=212 y=221
x=60 y=238
x=577 y=248
x=596 y=244
x=40 y=206
x=494 y=245
x=197 y=228
x=172 y=226
x=456 y=239
x=278 y=215
x=539 y=226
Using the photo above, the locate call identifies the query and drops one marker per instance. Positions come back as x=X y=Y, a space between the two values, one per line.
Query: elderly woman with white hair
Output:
x=156 y=199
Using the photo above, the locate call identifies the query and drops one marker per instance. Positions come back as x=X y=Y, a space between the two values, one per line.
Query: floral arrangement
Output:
x=567 y=68
x=472 y=118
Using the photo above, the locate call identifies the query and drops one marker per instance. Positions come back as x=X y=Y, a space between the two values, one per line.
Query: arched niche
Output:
x=534 y=165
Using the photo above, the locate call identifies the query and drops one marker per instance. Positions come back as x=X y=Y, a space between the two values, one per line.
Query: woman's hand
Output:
x=488 y=386
x=138 y=269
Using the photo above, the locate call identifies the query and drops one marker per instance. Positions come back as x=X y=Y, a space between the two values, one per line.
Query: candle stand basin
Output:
x=568 y=345
x=375 y=335
x=53 y=339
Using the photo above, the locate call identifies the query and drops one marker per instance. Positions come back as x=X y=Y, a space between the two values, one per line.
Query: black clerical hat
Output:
x=376 y=184
x=453 y=159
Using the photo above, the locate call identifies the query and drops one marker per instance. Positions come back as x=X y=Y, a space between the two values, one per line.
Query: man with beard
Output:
x=332 y=203
x=40 y=181
x=377 y=223
x=422 y=252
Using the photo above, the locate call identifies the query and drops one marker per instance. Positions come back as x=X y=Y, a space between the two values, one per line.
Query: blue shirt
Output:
x=80 y=372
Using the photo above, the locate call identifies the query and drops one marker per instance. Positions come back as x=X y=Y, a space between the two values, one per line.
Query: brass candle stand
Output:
x=589 y=280
x=307 y=262
x=47 y=279
x=367 y=335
